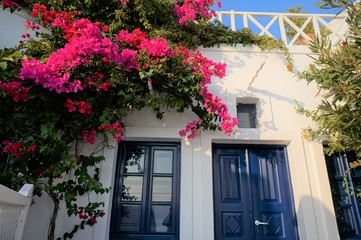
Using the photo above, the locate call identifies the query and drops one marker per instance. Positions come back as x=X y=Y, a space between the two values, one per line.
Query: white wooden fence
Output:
x=303 y=26
x=14 y=207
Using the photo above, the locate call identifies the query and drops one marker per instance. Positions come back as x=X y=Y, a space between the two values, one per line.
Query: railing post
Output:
x=282 y=29
x=316 y=27
x=219 y=17
x=233 y=21
x=245 y=20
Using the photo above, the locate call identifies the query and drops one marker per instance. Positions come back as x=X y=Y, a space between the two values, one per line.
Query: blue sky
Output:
x=272 y=6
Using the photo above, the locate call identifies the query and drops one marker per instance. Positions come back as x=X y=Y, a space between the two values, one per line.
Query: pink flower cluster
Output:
x=129 y=58
x=17 y=148
x=89 y=137
x=189 y=9
x=207 y=69
x=25 y=35
x=137 y=43
x=62 y=18
x=134 y=39
x=86 y=214
x=82 y=215
x=191 y=129
x=215 y=105
x=10 y=4
x=31 y=25
x=15 y=90
x=80 y=106
x=85 y=43
x=98 y=82
x=138 y=52
x=156 y=47
x=115 y=129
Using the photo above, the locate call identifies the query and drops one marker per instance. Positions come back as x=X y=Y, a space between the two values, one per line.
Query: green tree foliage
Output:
x=337 y=73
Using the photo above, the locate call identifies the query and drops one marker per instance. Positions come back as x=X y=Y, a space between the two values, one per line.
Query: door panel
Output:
x=271 y=194
x=231 y=195
x=251 y=184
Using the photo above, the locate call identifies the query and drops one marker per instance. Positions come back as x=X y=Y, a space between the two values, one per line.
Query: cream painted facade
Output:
x=252 y=76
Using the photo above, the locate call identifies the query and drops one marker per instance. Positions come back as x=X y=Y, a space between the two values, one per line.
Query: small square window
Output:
x=246 y=114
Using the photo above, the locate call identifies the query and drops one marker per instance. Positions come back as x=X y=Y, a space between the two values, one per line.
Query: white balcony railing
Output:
x=14 y=207
x=293 y=29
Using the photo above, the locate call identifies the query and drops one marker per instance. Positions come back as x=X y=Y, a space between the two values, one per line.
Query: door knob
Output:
x=260 y=223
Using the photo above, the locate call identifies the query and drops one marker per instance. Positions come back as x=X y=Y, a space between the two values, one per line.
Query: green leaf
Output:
x=3 y=65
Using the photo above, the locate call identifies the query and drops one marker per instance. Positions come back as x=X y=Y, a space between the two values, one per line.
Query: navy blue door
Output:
x=252 y=193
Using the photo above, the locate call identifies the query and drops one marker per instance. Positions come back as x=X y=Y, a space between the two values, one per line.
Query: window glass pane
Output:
x=163 y=161
x=129 y=218
x=132 y=188
x=246 y=115
x=244 y=119
x=161 y=218
x=135 y=161
x=162 y=189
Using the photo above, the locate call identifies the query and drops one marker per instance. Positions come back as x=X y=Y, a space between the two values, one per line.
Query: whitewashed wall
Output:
x=250 y=74
x=264 y=76
x=12 y=26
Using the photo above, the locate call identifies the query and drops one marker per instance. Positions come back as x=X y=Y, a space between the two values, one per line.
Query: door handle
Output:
x=260 y=223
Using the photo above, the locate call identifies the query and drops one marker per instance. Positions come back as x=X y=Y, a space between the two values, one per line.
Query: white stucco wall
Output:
x=263 y=76
x=12 y=26
x=250 y=74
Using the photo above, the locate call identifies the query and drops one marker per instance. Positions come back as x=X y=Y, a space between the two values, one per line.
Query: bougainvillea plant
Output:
x=96 y=63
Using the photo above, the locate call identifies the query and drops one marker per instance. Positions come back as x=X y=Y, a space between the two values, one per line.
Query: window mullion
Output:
x=145 y=197
x=147 y=190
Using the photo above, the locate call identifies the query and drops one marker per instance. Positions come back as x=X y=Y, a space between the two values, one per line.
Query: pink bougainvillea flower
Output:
x=89 y=137
x=31 y=25
x=133 y=51
x=104 y=86
x=32 y=148
x=84 y=107
x=85 y=42
x=115 y=129
x=188 y=10
x=15 y=90
x=69 y=104
x=14 y=148
x=191 y=129
x=105 y=28
x=10 y=4
x=80 y=106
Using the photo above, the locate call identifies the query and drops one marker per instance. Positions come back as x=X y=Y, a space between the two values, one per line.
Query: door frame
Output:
x=287 y=175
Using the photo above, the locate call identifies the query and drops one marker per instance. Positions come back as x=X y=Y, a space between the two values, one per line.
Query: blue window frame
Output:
x=146 y=192
x=246 y=114
x=347 y=206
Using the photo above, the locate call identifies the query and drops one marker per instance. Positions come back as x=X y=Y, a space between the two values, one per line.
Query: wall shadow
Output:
x=316 y=221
